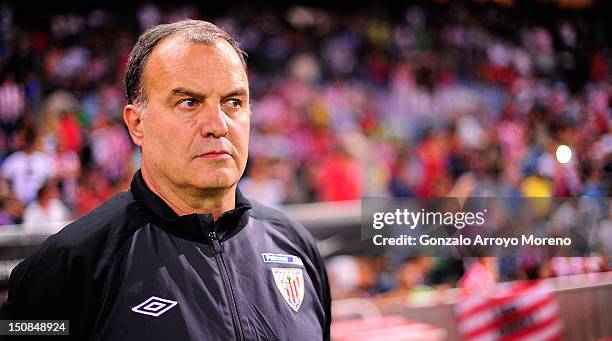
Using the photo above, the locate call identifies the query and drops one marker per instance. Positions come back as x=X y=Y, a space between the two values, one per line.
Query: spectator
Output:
x=338 y=177
x=28 y=169
x=68 y=169
x=260 y=185
x=12 y=104
x=94 y=189
x=111 y=148
x=46 y=209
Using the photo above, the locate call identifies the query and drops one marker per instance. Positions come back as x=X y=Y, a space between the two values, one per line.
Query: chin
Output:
x=215 y=180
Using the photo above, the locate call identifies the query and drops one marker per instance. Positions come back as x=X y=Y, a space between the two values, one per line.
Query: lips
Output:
x=215 y=154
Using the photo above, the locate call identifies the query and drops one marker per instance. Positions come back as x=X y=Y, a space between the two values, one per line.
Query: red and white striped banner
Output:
x=515 y=311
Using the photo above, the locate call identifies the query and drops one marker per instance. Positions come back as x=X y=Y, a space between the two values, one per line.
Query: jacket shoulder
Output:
x=114 y=217
x=93 y=240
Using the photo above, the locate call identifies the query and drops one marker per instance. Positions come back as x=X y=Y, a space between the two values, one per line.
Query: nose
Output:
x=214 y=122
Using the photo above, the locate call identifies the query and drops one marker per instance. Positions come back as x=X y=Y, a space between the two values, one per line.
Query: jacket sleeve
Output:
x=325 y=293
x=38 y=286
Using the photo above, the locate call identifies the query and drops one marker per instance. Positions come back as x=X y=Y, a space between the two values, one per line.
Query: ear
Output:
x=133 y=120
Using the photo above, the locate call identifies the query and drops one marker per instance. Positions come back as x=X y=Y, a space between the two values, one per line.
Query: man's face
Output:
x=196 y=131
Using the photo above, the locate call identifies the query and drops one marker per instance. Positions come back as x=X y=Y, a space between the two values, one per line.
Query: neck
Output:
x=187 y=200
x=44 y=202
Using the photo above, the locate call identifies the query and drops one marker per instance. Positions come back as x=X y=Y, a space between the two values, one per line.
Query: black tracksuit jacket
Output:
x=134 y=270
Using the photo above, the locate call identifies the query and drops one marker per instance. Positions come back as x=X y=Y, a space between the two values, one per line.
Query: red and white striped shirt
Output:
x=12 y=101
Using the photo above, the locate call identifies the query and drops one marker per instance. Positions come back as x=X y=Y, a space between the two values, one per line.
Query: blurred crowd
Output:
x=424 y=280
x=420 y=100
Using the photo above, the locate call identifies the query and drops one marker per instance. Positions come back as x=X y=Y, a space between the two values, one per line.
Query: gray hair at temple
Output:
x=196 y=31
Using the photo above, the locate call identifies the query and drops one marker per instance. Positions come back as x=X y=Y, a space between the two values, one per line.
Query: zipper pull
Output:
x=215 y=242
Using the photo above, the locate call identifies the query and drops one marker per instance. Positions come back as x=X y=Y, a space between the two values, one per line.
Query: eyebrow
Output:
x=186 y=92
x=180 y=91
x=236 y=92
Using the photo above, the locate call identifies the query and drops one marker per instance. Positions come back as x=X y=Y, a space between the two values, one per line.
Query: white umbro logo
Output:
x=154 y=306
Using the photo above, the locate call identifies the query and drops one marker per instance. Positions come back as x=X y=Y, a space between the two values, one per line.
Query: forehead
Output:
x=206 y=67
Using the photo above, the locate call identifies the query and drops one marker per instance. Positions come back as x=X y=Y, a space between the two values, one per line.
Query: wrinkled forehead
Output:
x=178 y=58
x=178 y=44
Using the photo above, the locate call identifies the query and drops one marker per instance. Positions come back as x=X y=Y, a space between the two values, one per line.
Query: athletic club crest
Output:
x=290 y=284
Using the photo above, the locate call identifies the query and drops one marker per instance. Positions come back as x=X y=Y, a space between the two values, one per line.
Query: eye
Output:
x=188 y=103
x=234 y=102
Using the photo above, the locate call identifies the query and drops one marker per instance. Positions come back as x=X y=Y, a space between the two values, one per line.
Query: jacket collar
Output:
x=191 y=226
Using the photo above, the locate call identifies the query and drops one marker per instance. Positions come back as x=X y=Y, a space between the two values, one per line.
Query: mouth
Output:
x=217 y=154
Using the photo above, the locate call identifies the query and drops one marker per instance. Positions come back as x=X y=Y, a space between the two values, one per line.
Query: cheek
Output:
x=243 y=129
x=167 y=140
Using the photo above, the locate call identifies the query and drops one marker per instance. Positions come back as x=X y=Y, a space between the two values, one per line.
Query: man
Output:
x=182 y=255
x=46 y=211
x=27 y=170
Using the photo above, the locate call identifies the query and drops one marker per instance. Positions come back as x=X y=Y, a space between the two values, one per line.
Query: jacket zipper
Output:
x=226 y=284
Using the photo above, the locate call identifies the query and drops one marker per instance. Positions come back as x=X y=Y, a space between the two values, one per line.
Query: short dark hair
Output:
x=197 y=31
